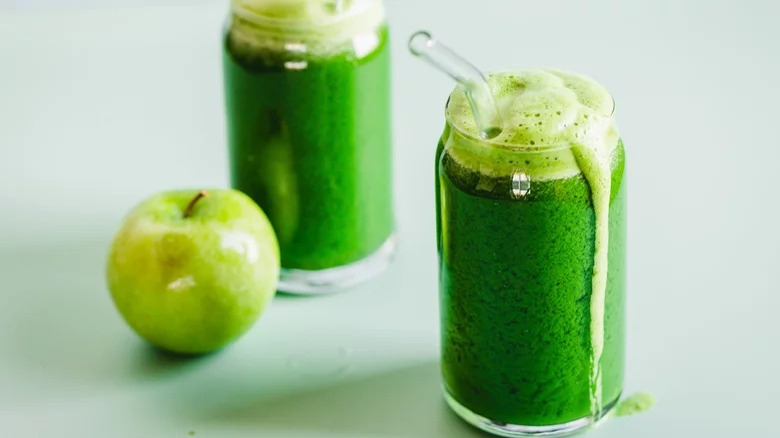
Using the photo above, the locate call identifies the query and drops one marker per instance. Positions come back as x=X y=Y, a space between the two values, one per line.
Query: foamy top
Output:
x=316 y=26
x=548 y=114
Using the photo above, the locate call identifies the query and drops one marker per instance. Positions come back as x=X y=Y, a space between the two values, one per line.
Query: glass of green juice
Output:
x=307 y=89
x=531 y=233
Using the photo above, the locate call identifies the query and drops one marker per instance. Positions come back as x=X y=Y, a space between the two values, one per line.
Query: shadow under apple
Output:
x=62 y=325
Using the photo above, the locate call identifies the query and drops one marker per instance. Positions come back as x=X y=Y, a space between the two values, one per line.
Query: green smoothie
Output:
x=308 y=104
x=531 y=237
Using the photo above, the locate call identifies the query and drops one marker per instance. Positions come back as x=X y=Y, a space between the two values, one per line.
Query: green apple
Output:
x=191 y=271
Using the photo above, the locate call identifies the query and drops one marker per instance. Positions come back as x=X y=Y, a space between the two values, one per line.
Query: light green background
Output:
x=100 y=109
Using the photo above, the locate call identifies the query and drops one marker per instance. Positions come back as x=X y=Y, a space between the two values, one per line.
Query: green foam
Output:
x=313 y=11
x=542 y=107
x=545 y=112
x=305 y=27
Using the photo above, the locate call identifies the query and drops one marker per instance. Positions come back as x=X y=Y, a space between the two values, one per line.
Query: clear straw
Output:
x=483 y=105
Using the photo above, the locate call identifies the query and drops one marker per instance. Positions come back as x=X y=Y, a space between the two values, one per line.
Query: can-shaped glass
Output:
x=307 y=90
x=531 y=233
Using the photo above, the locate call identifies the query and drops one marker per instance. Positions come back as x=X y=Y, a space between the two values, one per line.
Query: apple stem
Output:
x=188 y=210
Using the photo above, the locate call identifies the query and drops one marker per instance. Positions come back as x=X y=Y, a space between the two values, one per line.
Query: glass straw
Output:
x=483 y=105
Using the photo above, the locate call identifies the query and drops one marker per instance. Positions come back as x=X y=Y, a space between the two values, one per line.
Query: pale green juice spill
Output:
x=567 y=118
x=635 y=404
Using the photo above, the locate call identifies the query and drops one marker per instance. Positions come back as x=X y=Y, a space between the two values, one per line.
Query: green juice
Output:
x=532 y=335
x=310 y=135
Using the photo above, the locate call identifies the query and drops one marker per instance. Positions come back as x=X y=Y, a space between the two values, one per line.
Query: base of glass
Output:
x=517 y=430
x=300 y=281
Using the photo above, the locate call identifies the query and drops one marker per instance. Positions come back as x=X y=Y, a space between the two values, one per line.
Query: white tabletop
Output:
x=99 y=109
